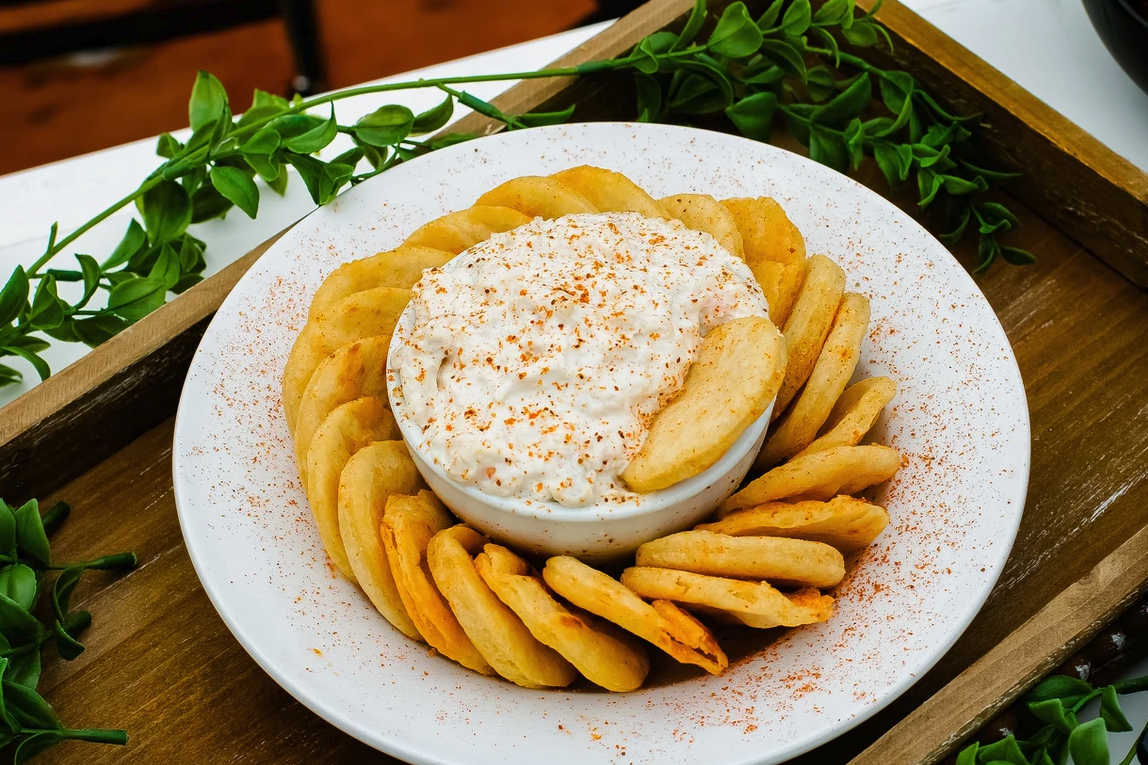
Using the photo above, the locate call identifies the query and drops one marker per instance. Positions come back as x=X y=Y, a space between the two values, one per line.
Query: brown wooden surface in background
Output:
x=58 y=109
x=161 y=663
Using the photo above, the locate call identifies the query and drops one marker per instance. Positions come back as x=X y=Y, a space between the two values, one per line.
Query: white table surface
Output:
x=1047 y=46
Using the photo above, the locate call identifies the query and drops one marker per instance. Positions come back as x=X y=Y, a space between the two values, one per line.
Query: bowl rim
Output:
x=653 y=502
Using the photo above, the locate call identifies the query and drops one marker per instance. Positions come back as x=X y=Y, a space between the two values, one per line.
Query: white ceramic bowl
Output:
x=596 y=533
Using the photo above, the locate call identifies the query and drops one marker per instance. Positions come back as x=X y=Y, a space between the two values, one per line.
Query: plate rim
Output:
x=397 y=747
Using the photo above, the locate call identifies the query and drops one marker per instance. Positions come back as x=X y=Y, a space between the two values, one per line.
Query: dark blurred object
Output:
x=1123 y=26
x=610 y=9
x=51 y=28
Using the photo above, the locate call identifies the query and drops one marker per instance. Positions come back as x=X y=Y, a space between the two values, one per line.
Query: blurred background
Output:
x=82 y=75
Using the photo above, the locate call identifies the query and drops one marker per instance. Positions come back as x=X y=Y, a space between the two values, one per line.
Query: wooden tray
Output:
x=161 y=663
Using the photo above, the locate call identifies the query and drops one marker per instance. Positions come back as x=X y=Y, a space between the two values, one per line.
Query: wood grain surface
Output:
x=161 y=663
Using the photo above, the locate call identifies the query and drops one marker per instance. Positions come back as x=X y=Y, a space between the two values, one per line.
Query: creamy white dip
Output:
x=538 y=357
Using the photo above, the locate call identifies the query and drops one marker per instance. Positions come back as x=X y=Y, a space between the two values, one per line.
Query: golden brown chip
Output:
x=770 y=237
x=407 y=528
x=615 y=662
x=500 y=636
x=788 y=562
x=821 y=475
x=609 y=191
x=702 y=212
x=536 y=196
x=353 y=371
x=854 y=414
x=347 y=429
x=798 y=427
x=662 y=623
x=737 y=372
x=808 y=325
x=370 y=313
x=373 y=474
x=462 y=230
x=399 y=268
x=845 y=522
x=757 y=604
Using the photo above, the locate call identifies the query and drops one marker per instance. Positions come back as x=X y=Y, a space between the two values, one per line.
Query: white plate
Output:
x=960 y=418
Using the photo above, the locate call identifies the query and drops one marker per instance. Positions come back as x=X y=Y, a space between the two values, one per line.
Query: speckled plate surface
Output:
x=960 y=418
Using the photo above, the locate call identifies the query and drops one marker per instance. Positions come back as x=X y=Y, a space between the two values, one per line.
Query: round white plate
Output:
x=960 y=419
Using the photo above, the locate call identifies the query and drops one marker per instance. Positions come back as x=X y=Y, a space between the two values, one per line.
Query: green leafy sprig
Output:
x=1053 y=705
x=786 y=66
x=26 y=719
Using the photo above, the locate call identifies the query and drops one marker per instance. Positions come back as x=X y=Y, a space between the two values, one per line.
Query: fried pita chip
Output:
x=370 y=313
x=798 y=427
x=702 y=212
x=538 y=197
x=854 y=414
x=347 y=429
x=737 y=372
x=787 y=562
x=756 y=604
x=663 y=624
x=615 y=662
x=353 y=371
x=373 y=474
x=500 y=636
x=400 y=268
x=462 y=230
x=844 y=522
x=408 y=525
x=609 y=191
x=770 y=237
x=808 y=325
x=821 y=475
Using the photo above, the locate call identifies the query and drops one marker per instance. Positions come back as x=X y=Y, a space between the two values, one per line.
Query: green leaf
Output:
x=829 y=149
x=62 y=590
x=845 y=105
x=1003 y=751
x=208 y=100
x=16 y=624
x=67 y=646
x=41 y=366
x=783 y=53
x=258 y=114
x=323 y=180
x=695 y=93
x=186 y=283
x=30 y=536
x=14 y=296
x=771 y=15
x=385 y=126
x=833 y=13
x=960 y=186
x=166 y=268
x=48 y=310
x=277 y=184
x=1052 y=711
x=538 y=119
x=928 y=185
x=19 y=582
x=7 y=531
x=167 y=147
x=820 y=83
x=433 y=119
x=1088 y=744
x=771 y=75
x=963 y=218
x=855 y=142
x=9 y=376
x=861 y=33
x=136 y=298
x=134 y=238
x=207 y=203
x=939 y=111
x=736 y=35
x=830 y=42
x=987 y=251
x=796 y=19
x=98 y=329
x=996 y=217
x=350 y=157
x=968 y=755
x=166 y=210
x=90 y=272
x=309 y=142
x=265 y=141
x=269 y=167
x=990 y=175
x=29 y=707
x=693 y=25
x=24 y=669
x=1017 y=257
x=649 y=93
x=1110 y=711
x=34 y=745
x=896 y=87
x=753 y=115
x=261 y=98
x=294 y=125
x=237 y=187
